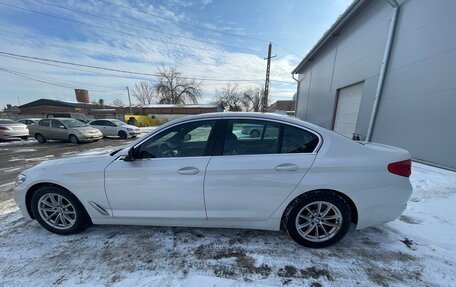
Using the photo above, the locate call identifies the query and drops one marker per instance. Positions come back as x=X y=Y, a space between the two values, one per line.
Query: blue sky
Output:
x=222 y=40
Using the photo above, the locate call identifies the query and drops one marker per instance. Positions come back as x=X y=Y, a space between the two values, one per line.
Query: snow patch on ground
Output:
x=35 y=159
x=418 y=249
x=18 y=142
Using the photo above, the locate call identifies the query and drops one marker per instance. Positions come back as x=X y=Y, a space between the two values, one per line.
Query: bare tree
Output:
x=252 y=99
x=230 y=98
x=118 y=103
x=144 y=92
x=172 y=88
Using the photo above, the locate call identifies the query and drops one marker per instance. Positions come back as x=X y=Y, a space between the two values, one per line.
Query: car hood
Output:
x=76 y=160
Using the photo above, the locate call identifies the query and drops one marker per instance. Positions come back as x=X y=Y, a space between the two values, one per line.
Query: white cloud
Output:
x=112 y=49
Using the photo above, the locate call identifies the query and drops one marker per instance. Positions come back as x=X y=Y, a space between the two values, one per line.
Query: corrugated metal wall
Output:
x=417 y=109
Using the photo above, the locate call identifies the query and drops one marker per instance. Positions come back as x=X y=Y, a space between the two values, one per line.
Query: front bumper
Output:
x=134 y=133
x=19 y=197
x=90 y=138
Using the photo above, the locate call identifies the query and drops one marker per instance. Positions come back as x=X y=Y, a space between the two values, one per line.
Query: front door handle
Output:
x=189 y=170
x=287 y=167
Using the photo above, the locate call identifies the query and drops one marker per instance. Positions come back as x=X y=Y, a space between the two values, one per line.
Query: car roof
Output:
x=59 y=119
x=254 y=115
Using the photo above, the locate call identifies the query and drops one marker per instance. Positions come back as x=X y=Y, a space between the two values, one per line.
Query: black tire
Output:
x=292 y=212
x=73 y=139
x=24 y=138
x=81 y=218
x=254 y=133
x=122 y=135
x=40 y=138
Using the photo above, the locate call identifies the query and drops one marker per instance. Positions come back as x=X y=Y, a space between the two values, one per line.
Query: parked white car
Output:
x=195 y=171
x=13 y=129
x=114 y=128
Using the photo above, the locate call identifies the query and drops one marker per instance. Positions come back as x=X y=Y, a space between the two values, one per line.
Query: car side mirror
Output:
x=128 y=155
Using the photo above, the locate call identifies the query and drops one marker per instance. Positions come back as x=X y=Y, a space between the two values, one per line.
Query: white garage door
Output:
x=348 y=109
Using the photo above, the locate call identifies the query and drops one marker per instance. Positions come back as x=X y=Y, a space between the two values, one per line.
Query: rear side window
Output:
x=249 y=137
x=245 y=137
x=44 y=123
x=296 y=140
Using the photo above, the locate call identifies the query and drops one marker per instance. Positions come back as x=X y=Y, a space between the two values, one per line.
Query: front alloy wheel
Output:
x=318 y=220
x=59 y=211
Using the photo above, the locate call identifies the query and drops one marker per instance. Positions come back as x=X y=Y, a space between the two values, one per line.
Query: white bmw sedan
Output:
x=202 y=171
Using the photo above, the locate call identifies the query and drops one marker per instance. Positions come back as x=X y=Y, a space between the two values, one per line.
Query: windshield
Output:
x=118 y=123
x=70 y=123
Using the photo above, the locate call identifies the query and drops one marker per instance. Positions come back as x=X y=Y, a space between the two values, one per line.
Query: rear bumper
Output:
x=14 y=134
x=381 y=205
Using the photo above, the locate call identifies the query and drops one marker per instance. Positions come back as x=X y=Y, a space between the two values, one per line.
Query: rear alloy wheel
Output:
x=40 y=138
x=122 y=135
x=318 y=220
x=74 y=139
x=254 y=134
x=59 y=211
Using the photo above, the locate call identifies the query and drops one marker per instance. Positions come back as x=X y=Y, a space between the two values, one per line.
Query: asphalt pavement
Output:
x=18 y=155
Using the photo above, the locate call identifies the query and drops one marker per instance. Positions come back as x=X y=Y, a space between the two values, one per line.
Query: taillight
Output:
x=4 y=129
x=402 y=168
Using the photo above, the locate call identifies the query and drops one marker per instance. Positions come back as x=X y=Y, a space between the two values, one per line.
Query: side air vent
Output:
x=98 y=208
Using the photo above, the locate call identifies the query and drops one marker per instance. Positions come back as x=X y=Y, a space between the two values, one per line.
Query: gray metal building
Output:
x=351 y=74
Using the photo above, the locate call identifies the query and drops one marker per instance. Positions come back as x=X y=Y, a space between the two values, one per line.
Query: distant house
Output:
x=40 y=108
x=341 y=79
x=284 y=106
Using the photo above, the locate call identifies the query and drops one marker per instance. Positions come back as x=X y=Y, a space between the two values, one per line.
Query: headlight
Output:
x=128 y=129
x=20 y=179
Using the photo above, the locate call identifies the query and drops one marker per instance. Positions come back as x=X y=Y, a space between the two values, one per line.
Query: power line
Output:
x=199 y=26
x=48 y=81
x=120 y=76
x=133 y=72
x=112 y=30
x=184 y=23
x=145 y=28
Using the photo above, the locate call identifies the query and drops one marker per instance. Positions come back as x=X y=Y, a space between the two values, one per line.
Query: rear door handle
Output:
x=188 y=170
x=287 y=167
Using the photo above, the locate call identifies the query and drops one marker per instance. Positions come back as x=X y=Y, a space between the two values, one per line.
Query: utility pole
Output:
x=129 y=100
x=264 y=102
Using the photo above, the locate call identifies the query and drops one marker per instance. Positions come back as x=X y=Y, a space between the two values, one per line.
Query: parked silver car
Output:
x=13 y=129
x=64 y=129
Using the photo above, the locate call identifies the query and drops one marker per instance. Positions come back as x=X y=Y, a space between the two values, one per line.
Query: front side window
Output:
x=251 y=137
x=184 y=140
x=97 y=123
x=57 y=124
